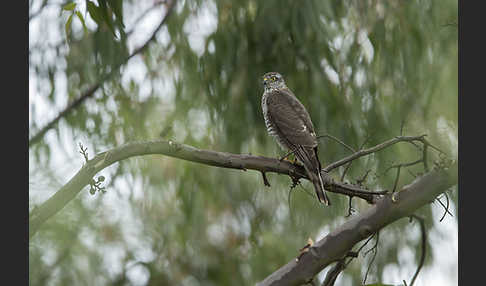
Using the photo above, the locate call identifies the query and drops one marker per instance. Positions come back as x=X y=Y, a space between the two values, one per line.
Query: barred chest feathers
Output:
x=271 y=129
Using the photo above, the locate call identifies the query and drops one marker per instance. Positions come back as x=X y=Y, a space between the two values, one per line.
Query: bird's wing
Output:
x=291 y=118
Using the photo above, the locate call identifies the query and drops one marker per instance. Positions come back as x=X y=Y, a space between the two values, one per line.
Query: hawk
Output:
x=289 y=122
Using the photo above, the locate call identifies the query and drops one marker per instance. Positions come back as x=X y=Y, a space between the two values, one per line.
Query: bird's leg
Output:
x=294 y=161
x=287 y=155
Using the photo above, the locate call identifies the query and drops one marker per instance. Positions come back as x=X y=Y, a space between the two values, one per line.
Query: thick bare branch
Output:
x=219 y=159
x=388 y=209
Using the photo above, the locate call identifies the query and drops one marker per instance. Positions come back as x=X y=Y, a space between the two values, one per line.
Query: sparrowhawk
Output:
x=289 y=122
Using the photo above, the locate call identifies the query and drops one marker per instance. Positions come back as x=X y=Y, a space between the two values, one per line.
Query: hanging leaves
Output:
x=68 y=25
x=69 y=6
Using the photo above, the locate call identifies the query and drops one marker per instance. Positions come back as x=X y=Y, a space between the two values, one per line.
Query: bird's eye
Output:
x=274 y=78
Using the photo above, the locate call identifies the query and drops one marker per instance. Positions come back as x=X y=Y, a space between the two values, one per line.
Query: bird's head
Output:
x=273 y=80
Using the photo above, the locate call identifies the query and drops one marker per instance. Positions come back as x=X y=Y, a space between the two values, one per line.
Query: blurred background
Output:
x=366 y=71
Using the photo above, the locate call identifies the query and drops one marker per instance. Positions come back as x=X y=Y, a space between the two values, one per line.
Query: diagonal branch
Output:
x=340 y=241
x=90 y=91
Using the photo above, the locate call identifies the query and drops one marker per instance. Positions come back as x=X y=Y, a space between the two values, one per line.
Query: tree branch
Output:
x=90 y=91
x=374 y=149
x=219 y=159
x=388 y=209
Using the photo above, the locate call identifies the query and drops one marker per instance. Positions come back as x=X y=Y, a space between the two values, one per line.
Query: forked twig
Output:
x=334 y=272
x=374 y=149
x=446 y=207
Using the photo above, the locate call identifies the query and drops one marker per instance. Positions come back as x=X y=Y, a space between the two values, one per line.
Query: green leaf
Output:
x=82 y=21
x=94 y=12
x=68 y=24
x=117 y=6
x=69 y=6
x=107 y=15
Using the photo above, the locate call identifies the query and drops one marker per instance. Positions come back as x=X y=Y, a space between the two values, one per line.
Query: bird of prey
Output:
x=289 y=122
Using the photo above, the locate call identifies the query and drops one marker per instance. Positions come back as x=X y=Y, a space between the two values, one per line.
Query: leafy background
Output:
x=363 y=69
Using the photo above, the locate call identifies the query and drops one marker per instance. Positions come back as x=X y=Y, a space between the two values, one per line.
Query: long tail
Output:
x=313 y=168
x=321 y=194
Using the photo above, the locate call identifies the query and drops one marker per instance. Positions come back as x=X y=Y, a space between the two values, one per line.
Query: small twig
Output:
x=425 y=142
x=424 y=158
x=355 y=254
x=337 y=140
x=83 y=151
x=403 y=165
x=288 y=202
x=398 y=167
x=368 y=137
x=411 y=173
x=95 y=186
x=333 y=273
x=360 y=181
x=350 y=207
x=265 y=180
x=306 y=191
x=374 y=255
x=346 y=170
x=424 y=245
x=373 y=247
x=374 y=149
x=446 y=208
x=349 y=164
x=396 y=179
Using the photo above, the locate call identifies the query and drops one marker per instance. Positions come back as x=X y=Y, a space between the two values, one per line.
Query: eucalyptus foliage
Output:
x=366 y=71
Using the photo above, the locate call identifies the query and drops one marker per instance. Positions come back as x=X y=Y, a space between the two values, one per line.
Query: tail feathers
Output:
x=321 y=194
x=312 y=166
